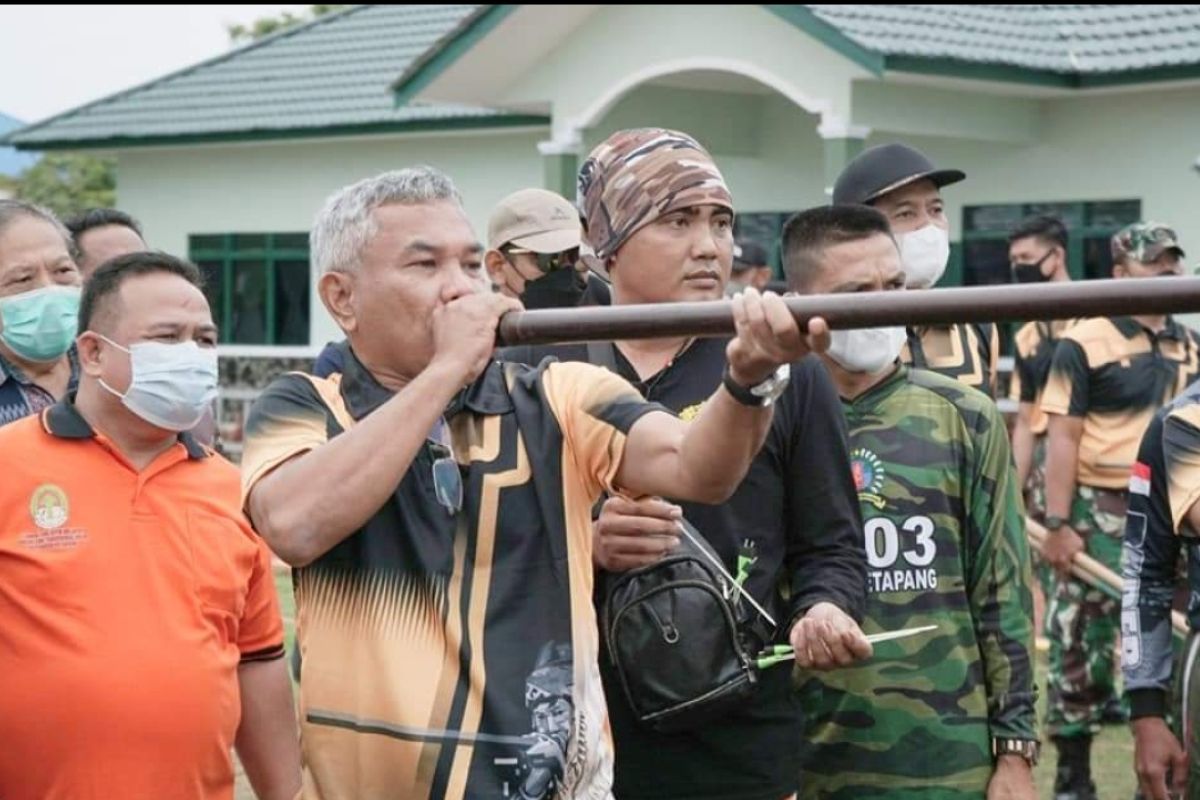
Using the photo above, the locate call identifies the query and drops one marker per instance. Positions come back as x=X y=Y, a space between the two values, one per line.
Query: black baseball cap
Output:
x=884 y=169
x=747 y=255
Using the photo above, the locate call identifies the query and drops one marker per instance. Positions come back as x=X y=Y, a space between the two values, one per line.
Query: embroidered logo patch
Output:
x=49 y=507
x=868 y=476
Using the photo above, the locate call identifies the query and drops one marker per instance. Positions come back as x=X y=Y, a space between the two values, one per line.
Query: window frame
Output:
x=229 y=254
x=1075 y=235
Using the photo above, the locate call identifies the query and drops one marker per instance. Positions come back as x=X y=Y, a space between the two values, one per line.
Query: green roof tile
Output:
x=335 y=74
x=332 y=73
x=1071 y=40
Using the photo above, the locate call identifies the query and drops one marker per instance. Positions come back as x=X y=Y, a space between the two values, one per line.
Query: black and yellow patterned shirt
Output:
x=965 y=352
x=1035 y=343
x=455 y=655
x=1115 y=374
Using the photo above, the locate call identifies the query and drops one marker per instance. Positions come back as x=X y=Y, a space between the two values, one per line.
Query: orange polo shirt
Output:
x=127 y=601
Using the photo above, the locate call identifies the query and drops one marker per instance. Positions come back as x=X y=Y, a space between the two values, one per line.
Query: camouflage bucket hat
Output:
x=1144 y=242
x=636 y=176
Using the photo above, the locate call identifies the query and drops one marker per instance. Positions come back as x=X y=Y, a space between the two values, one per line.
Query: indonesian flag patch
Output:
x=1139 y=481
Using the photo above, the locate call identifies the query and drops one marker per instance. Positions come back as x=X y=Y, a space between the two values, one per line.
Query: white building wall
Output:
x=1137 y=145
x=1140 y=145
x=279 y=186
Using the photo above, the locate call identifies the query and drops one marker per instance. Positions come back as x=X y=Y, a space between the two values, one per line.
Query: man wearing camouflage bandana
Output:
x=638 y=175
x=660 y=217
x=1107 y=379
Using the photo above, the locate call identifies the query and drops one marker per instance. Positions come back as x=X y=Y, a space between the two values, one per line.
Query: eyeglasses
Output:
x=447 y=477
x=548 y=262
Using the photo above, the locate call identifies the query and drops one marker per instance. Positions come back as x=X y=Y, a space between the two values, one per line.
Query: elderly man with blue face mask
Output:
x=905 y=186
x=39 y=309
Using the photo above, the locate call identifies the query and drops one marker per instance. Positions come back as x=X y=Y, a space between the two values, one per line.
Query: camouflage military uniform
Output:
x=1034 y=350
x=1081 y=622
x=1114 y=374
x=946 y=546
x=1034 y=344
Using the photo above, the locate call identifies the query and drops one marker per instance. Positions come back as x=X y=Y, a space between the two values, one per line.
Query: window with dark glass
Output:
x=257 y=285
x=1090 y=225
x=983 y=255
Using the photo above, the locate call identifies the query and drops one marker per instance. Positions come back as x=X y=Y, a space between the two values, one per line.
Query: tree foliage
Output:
x=68 y=183
x=265 y=26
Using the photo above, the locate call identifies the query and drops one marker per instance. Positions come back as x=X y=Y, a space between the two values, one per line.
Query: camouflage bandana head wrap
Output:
x=636 y=176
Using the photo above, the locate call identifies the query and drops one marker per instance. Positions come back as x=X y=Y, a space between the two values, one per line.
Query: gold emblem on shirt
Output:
x=49 y=507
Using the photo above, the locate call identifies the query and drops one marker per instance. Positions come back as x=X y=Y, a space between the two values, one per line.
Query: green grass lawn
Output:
x=1112 y=754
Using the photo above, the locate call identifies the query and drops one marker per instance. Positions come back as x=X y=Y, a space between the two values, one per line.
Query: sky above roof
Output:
x=57 y=57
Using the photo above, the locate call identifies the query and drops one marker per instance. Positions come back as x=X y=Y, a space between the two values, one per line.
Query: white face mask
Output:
x=868 y=350
x=172 y=384
x=924 y=254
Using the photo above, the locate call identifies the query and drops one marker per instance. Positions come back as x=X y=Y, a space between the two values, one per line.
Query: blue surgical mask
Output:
x=40 y=325
x=172 y=385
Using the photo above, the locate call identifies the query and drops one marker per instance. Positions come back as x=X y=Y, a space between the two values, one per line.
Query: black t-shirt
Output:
x=797 y=513
x=596 y=292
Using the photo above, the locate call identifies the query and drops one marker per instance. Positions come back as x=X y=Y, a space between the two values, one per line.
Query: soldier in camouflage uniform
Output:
x=949 y=713
x=1037 y=253
x=1107 y=379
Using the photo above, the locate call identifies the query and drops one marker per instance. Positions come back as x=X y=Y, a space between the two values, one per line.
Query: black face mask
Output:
x=561 y=288
x=1031 y=273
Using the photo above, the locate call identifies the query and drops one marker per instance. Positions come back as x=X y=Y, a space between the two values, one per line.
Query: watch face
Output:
x=773 y=386
x=1027 y=749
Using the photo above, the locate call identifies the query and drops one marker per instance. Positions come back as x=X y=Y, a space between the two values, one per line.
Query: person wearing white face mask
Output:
x=102 y=234
x=905 y=185
x=945 y=544
x=139 y=605
x=39 y=308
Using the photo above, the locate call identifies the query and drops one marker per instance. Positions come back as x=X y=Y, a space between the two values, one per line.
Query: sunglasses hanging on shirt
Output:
x=447 y=476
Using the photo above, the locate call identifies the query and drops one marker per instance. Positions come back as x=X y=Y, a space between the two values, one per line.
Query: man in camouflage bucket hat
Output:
x=659 y=214
x=947 y=714
x=1107 y=379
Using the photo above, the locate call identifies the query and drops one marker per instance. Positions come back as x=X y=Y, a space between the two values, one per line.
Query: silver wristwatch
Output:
x=760 y=395
x=1028 y=749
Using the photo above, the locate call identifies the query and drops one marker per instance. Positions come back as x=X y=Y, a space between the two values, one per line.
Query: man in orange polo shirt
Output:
x=141 y=637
